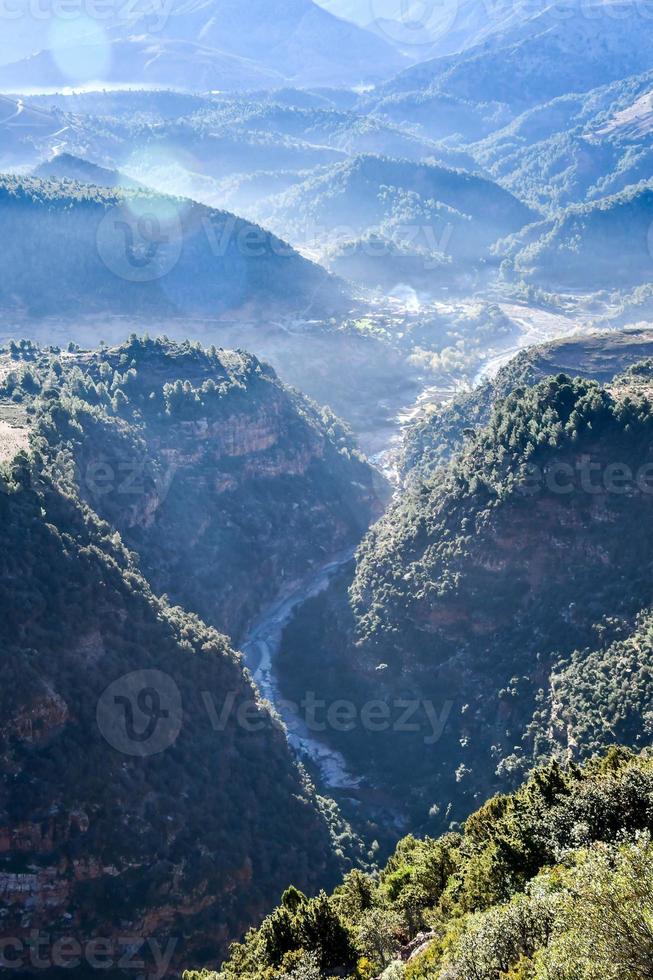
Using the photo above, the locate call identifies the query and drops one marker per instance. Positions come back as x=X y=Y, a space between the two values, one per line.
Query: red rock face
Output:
x=528 y=548
x=38 y=722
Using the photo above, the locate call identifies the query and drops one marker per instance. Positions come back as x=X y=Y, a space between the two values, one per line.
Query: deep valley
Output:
x=326 y=486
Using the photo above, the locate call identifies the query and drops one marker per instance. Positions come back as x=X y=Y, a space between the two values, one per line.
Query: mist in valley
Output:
x=326 y=402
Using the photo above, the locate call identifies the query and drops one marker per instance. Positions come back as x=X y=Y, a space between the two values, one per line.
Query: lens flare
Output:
x=80 y=49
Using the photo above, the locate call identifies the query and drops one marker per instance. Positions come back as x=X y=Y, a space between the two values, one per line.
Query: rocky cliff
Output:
x=146 y=792
x=228 y=484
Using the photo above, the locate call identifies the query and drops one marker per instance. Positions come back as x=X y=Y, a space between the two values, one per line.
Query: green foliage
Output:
x=526 y=429
x=534 y=887
x=576 y=249
x=418 y=210
x=200 y=459
x=480 y=590
x=378 y=935
x=604 y=920
x=320 y=928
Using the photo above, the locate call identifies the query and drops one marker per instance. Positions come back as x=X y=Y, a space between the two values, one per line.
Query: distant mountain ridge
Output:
x=434 y=30
x=443 y=209
x=139 y=60
x=65 y=166
x=213 y=44
x=540 y=57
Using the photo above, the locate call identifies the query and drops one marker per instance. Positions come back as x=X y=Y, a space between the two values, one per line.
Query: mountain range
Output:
x=272 y=707
x=373 y=208
x=206 y=44
x=552 y=53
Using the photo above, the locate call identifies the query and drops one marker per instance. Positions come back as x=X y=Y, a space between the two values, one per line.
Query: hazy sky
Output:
x=365 y=11
x=415 y=21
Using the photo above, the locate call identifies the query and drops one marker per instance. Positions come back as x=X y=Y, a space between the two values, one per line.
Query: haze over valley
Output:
x=326 y=476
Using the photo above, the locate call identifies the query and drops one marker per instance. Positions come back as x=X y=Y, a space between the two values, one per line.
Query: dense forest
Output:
x=473 y=597
x=589 y=244
x=74 y=248
x=444 y=212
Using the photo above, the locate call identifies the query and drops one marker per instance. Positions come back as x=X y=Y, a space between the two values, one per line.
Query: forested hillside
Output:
x=589 y=245
x=77 y=249
x=119 y=482
x=436 y=208
x=479 y=583
x=66 y=166
x=179 y=831
x=552 y=881
x=577 y=147
x=228 y=484
x=435 y=438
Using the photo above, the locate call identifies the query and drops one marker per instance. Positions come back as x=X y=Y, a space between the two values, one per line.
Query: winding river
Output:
x=260 y=649
x=263 y=641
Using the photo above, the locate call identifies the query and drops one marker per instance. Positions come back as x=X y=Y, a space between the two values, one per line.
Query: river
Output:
x=260 y=648
x=263 y=640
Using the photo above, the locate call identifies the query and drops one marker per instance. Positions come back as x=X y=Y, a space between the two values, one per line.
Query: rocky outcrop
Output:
x=419 y=944
x=38 y=722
